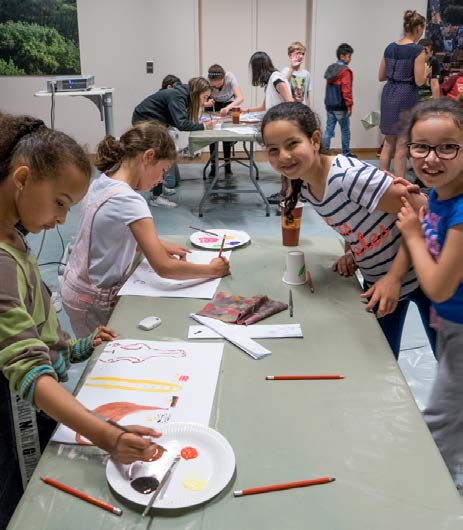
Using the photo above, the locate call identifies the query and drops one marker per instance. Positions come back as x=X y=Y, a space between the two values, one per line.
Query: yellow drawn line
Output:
x=165 y=387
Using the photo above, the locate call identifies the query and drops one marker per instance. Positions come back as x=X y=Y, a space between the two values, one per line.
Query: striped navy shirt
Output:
x=353 y=191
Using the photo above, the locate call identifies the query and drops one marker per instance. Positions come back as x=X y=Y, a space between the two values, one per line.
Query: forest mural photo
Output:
x=39 y=37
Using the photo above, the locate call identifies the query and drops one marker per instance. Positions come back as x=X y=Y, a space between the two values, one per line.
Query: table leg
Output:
x=108 y=113
x=214 y=180
x=254 y=181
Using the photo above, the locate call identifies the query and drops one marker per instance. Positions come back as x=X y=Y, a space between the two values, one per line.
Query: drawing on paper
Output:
x=150 y=383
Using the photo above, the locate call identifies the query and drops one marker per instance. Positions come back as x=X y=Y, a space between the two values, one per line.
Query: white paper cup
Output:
x=218 y=125
x=295 y=268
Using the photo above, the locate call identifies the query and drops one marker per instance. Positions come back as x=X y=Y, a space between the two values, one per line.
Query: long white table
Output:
x=365 y=430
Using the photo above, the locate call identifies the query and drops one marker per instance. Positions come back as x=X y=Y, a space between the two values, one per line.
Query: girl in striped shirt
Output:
x=358 y=201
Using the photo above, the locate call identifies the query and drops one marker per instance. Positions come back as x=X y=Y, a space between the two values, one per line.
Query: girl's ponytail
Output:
x=109 y=153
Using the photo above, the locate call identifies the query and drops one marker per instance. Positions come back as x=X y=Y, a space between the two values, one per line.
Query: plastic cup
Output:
x=295 y=268
x=236 y=111
x=290 y=229
x=218 y=125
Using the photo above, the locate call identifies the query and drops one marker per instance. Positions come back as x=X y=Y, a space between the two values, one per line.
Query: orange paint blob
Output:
x=188 y=453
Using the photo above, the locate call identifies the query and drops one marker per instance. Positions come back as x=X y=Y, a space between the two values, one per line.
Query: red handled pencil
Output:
x=287 y=486
x=309 y=279
x=221 y=246
x=82 y=496
x=302 y=377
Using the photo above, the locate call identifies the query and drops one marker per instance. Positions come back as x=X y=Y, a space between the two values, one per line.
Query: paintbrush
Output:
x=205 y=231
x=164 y=479
x=221 y=246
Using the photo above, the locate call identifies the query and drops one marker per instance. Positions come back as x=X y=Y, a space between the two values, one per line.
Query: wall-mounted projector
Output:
x=66 y=83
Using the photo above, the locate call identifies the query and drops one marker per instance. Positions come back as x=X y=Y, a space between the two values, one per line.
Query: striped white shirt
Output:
x=353 y=191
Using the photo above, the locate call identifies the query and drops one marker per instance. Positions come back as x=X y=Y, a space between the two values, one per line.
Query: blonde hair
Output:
x=296 y=46
x=196 y=86
x=412 y=20
x=138 y=139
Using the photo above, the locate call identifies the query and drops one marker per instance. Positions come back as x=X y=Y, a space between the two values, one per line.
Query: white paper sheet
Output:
x=255 y=331
x=150 y=382
x=145 y=282
x=240 y=130
x=235 y=336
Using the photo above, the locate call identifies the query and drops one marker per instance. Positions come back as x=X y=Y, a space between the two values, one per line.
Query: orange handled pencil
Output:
x=287 y=486
x=82 y=496
x=309 y=279
x=302 y=377
x=221 y=246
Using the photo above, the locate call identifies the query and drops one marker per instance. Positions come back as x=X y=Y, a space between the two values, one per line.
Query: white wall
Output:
x=368 y=26
x=117 y=37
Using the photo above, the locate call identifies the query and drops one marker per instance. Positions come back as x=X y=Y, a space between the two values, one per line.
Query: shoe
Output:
x=276 y=198
x=351 y=155
x=162 y=202
x=168 y=191
x=228 y=173
x=212 y=173
x=56 y=301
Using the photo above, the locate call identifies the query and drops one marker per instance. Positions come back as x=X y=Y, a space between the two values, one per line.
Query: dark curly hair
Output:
x=308 y=122
x=25 y=140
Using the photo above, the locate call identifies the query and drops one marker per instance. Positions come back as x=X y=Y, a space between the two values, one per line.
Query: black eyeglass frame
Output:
x=434 y=148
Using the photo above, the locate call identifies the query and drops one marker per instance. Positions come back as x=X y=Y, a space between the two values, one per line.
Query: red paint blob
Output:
x=188 y=453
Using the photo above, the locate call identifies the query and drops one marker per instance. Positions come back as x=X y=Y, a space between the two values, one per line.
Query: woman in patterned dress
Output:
x=403 y=66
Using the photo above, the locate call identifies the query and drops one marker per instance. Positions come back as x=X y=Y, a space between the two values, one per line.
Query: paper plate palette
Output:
x=206 y=467
x=234 y=239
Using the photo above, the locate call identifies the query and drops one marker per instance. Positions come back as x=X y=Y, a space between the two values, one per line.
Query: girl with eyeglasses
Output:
x=434 y=239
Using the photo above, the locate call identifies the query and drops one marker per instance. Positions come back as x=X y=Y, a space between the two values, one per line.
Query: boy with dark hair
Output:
x=169 y=81
x=338 y=98
x=431 y=88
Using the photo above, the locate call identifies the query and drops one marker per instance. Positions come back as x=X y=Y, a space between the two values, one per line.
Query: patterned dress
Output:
x=400 y=92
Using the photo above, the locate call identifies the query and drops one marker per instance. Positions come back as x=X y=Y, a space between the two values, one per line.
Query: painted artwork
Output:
x=444 y=28
x=233 y=238
x=150 y=383
x=39 y=38
x=146 y=282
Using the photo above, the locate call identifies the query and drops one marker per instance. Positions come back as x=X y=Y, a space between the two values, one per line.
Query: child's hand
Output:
x=176 y=250
x=103 y=334
x=409 y=222
x=210 y=124
x=129 y=447
x=223 y=112
x=345 y=265
x=384 y=294
x=209 y=103
x=220 y=267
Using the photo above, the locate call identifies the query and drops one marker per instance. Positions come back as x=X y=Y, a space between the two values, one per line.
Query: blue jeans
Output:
x=341 y=117
x=171 y=180
x=393 y=324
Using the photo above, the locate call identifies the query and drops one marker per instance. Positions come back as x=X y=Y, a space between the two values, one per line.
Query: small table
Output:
x=200 y=139
x=101 y=96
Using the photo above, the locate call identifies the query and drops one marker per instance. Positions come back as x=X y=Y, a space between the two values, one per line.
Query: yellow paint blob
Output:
x=194 y=485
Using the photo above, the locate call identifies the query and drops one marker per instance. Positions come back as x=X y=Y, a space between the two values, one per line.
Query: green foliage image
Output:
x=32 y=49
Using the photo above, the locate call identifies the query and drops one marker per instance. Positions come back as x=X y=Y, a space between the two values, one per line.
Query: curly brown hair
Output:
x=142 y=136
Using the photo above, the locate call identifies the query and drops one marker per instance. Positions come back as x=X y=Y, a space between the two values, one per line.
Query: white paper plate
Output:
x=212 y=469
x=234 y=239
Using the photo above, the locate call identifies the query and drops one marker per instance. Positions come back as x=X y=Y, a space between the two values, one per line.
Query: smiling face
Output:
x=289 y=150
x=445 y=176
x=43 y=203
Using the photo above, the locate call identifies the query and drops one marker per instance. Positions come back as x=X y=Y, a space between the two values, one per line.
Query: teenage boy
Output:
x=338 y=98
x=431 y=88
x=299 y=81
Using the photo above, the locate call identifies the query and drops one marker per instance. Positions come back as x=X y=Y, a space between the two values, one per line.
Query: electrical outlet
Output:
x=150 y=67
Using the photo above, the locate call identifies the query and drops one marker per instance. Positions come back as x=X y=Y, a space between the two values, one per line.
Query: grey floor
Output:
x=240 y=212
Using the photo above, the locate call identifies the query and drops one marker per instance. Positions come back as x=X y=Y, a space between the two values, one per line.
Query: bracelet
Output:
x=118 y=439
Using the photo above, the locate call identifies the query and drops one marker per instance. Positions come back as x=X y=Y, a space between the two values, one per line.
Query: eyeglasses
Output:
x=443 y=151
